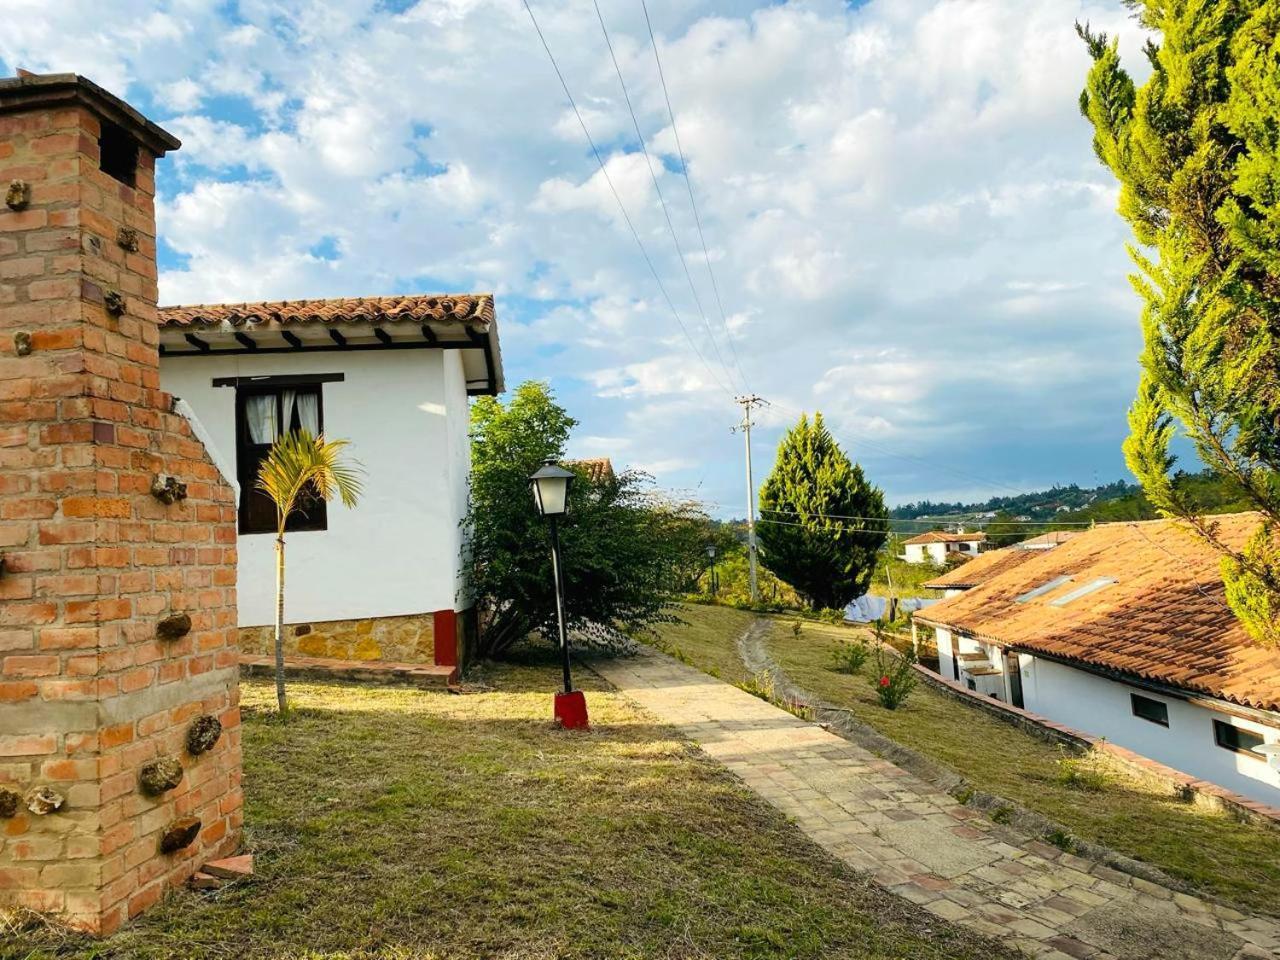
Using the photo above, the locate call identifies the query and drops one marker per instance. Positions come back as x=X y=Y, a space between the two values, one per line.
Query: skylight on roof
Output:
x=1039 y=591
x=1079 y=592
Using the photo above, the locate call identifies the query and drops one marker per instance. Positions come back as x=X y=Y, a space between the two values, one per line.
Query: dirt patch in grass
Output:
x=1210 y=850
x=393 y=823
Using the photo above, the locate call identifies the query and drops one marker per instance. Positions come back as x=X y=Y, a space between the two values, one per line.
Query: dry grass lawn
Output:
x=1211 y=850
x=391 y=823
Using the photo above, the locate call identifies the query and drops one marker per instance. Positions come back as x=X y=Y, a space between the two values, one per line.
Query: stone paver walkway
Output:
x=919 y=843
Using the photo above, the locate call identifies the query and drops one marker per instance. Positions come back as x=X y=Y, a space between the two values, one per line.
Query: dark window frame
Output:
x=1235 y=747
x=118 y=154
x=249 y=455
x=1136 y=698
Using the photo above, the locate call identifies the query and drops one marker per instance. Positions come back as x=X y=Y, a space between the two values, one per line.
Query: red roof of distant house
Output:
x=982 y=568
x=937 y=536
x=596 y=468
x=1161 y=614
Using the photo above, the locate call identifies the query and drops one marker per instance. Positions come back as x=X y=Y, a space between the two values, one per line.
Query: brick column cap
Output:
x=29 y=91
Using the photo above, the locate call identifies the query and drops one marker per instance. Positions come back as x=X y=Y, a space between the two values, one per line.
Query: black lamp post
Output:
x=711 y=555
x=550 y=485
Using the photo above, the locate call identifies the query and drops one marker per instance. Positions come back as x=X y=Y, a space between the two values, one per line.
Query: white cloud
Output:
x=905 y=219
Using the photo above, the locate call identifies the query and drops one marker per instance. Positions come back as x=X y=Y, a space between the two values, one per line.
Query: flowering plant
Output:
x=894 y=675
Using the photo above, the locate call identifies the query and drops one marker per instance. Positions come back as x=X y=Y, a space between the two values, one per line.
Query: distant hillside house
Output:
x=596 y=468
x=392 y=375
x=935 y=546
x=1123 y=632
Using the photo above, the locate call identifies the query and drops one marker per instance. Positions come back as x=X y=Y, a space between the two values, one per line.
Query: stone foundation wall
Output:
x=406 y=639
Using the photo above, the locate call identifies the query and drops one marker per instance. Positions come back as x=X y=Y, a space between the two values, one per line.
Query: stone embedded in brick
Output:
x=174 y=627
x=203 y=734
x=180 y=834
x=160 y=775
x=10 y=802
x=44 y=800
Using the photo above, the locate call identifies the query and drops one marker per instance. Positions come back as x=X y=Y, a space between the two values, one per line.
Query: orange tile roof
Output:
x=937 y=536
x=1164 y=619
x=596 y=468
x=470 y=308
x=983 y=567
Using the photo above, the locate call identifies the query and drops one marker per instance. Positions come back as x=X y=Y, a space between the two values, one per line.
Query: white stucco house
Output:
x=935 y=546
x=383 y=581
x=1123 y=632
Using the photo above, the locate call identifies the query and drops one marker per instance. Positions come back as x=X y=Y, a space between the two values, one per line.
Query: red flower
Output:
x=884 y=681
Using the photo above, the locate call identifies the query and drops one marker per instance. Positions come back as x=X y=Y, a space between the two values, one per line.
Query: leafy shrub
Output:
x=893 y=677
x=849 y=657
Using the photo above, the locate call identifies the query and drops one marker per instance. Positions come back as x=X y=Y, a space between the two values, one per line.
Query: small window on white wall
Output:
x=1148 y=709
x=1233 y=738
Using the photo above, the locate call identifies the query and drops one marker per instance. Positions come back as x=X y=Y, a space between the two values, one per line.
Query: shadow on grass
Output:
x=395 y=823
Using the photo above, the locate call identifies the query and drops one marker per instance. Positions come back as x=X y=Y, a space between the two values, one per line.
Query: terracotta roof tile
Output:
x=937 y=536
x=1164 y=619
x=1052 y=538
x=983 y=567
x=474 y=309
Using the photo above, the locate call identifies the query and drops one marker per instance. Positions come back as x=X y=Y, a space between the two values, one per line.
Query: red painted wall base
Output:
x=571 y=710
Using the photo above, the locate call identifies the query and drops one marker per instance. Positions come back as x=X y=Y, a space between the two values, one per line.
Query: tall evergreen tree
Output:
x=1196 y=150
x=803 y=540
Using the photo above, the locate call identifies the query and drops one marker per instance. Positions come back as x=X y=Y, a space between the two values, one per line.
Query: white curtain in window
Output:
x=287 y=398
x=309 y=412
x=260 y=412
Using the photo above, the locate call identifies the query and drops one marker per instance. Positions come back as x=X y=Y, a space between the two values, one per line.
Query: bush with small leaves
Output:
x=894 y=677
x=850 y=657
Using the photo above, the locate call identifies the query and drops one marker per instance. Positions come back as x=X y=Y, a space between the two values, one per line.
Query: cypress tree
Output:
x=803 y=541
x=1196 y=151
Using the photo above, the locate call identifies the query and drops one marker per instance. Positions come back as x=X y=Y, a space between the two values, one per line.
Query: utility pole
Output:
x=747 y=402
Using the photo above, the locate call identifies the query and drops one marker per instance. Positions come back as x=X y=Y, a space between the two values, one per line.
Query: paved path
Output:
x=919 y=843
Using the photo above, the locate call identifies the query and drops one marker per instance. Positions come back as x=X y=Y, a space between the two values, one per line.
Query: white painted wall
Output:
x=405 y=413
x=1102 y=707
x=937 y=552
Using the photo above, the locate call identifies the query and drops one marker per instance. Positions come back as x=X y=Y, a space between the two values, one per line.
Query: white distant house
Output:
x=383 y=581
x=935 y=546
x=1123 y=632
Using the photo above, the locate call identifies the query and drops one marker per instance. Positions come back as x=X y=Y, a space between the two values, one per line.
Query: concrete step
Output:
x=427 y=675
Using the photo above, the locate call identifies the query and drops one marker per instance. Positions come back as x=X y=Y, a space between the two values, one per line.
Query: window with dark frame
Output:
x=1145 y=708
x=261 y=413
x=1233 y=738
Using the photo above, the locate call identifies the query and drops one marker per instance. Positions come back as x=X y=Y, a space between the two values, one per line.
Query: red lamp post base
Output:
x=571 y=710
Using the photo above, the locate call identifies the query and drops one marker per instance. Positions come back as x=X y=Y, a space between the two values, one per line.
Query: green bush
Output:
x=849 y=657
x=893 y=677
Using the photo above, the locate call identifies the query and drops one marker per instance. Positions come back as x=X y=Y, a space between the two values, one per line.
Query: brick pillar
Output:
x=98 y=677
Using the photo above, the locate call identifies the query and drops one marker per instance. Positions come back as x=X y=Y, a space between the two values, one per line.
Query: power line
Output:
x=997 y=523
x=662 y=200
x=684 y=169
x=621 y=206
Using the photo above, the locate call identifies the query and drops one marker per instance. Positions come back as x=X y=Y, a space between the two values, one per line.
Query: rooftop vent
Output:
x=1079 y=592
x=1041 y=590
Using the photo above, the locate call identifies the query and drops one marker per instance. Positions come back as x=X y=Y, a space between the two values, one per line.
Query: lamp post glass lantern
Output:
x=550 y=485
x=711 y=556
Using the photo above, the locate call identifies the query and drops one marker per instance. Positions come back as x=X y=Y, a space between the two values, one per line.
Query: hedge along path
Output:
x=921 y=844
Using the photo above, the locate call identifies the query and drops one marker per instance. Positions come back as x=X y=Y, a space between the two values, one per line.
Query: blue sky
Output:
x=902 y=212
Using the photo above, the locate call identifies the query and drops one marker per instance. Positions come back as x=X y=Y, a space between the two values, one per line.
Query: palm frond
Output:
x=298 y=462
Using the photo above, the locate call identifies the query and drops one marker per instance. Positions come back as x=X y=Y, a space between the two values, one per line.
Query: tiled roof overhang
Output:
x=445 y=322
x=1164 y=620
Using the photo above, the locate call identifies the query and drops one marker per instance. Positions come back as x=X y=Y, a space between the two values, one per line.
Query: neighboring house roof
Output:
x=983 y=567
x=1050 y=539
x=463 y=321
x=596 y=468
x=937 y=536
x=1156 y=610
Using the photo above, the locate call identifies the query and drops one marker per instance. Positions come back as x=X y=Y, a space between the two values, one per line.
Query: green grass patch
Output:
x=1095 y=799
x=391 y=824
